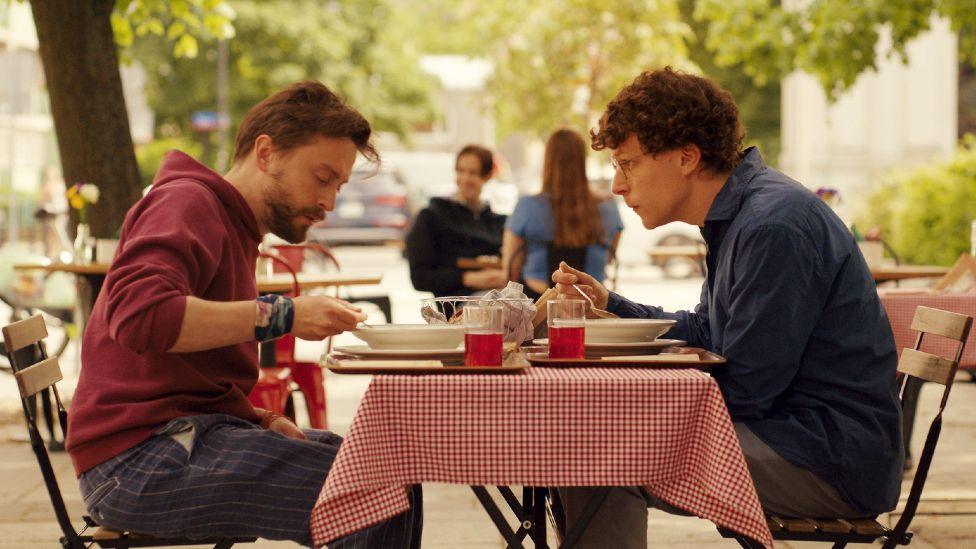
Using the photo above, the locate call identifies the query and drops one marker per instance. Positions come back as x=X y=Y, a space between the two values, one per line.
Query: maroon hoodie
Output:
x=192 y=235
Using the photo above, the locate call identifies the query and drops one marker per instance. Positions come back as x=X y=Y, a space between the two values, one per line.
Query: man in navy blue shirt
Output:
x=788 y=300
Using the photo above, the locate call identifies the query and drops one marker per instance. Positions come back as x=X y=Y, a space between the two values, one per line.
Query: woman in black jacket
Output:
x=454 y=227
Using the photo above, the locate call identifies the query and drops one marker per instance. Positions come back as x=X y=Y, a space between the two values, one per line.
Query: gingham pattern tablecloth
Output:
x=668 y=430
x=901 y=310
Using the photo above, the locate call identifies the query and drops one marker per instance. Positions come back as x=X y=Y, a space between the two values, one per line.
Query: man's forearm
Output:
x=212 y=324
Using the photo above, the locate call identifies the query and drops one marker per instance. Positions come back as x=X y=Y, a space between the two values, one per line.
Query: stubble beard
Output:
x=280 y=215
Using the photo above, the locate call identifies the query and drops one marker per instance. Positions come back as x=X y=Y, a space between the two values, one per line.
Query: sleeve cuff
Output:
x=169 y=320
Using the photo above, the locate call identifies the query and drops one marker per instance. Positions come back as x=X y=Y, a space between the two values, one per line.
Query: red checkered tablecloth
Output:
x=901 y=310
x=668 y=430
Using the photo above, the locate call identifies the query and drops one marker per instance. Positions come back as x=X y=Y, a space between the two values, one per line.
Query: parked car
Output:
x=677 y=234
x=372 y=208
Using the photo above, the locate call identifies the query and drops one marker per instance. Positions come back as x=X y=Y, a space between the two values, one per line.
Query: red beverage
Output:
x=566 y=341
x=483 y=349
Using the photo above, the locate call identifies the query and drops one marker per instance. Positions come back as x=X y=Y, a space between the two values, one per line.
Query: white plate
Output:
x=629 y=346
x=366 y=352
x=625 y=330
x=412 y=336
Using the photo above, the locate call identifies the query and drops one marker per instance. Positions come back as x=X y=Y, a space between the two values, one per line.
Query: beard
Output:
x=282 y=217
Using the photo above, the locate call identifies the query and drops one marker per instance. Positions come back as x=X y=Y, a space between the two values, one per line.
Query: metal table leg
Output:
x=531 y=513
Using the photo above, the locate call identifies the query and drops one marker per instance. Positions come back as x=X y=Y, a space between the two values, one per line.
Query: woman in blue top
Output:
x=567 y=221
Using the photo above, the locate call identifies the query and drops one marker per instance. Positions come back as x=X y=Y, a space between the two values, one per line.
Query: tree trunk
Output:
x=81 y=67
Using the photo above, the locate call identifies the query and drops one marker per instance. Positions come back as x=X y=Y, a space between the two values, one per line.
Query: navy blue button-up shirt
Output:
x=790 y=302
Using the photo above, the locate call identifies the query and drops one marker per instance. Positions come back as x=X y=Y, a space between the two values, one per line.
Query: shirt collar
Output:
x=482 y=206
x=728 y=201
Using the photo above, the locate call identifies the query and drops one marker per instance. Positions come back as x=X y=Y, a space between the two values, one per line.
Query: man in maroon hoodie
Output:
x=161 y=432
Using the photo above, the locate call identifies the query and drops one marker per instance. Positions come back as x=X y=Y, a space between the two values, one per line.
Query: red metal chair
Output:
x=275 y=386
x=296 y=254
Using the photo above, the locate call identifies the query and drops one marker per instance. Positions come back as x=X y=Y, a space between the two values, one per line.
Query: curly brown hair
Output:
x=668 y=109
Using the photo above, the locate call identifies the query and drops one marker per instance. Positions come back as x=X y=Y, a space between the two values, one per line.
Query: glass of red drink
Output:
x=483 y=328
x=567 y=328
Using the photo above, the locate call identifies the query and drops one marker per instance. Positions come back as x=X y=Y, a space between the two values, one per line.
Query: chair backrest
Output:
x=35 y=372
x=928 y=367
x=295 y=254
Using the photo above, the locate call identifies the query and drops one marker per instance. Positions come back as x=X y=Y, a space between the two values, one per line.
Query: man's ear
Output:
x=264 y=152
x=690 y=159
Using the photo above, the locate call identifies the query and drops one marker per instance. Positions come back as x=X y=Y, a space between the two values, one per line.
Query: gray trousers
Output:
x=783 y=489
x=218 y=475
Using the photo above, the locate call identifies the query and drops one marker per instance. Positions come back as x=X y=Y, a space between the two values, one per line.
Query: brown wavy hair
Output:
x=668 y=109
x=484 y=156
x=574 y=206
x=293 y=116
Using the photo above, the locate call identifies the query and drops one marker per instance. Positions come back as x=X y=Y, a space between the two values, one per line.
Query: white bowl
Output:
x=625 y=330
x=412 y=336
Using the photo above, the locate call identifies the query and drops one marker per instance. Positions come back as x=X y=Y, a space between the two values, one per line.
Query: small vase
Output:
x=84 y=250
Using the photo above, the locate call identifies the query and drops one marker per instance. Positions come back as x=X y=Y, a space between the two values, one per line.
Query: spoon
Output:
x=586 y=297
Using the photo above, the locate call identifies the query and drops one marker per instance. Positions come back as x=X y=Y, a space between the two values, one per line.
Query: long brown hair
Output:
x=574 y=206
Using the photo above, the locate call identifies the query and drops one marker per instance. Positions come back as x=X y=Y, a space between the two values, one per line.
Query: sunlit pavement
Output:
x=453 y=517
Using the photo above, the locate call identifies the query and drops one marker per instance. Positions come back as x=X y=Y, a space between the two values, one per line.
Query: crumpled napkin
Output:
x=518 y=314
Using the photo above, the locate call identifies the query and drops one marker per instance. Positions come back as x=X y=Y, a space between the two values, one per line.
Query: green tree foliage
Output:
x=925 y=213
x=179 y=21
x=560 y=62
x=835 y=40
x=356 y=48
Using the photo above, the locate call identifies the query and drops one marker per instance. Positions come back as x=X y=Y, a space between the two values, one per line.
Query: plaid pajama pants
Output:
x=218 y=475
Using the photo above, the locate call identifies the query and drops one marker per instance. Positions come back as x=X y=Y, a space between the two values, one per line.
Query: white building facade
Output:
x=900 y=116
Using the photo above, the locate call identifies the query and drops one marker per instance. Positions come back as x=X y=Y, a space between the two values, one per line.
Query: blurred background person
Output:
x=460 y=226
x=567 y=221
x=53 y=213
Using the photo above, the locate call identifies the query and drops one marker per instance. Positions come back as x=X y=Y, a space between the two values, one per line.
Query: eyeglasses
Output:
x=624 y=167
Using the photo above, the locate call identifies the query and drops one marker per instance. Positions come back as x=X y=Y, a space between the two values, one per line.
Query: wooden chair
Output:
x=914 y=365
x=35 y=372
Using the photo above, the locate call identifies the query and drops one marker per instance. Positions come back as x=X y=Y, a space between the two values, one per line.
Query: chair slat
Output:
x=944 y=323
x=40 y=376
x=20 y=334
x=774 y=524
x=798 y=524
x=925 y=366
x=106 y=534
x=834 y=526
x=867 y=526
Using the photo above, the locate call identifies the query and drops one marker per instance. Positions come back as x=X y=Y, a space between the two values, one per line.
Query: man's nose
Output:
x=619 y=185
x=327 y=200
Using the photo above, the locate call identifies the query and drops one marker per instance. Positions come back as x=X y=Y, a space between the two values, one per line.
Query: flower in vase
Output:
x=82 y=195
x=829 y=195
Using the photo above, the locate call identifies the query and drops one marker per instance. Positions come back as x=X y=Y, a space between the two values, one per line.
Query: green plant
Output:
x=925 y=213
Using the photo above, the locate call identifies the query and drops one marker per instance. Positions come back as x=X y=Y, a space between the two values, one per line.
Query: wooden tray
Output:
x=679 y=357
x=343 y=364
x=597 y=350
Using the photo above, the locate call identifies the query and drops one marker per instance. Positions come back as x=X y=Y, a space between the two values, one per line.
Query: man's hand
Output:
x=284 y=426
x=566 y=276
x=485 y=279
x=318 y=317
